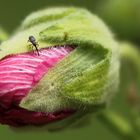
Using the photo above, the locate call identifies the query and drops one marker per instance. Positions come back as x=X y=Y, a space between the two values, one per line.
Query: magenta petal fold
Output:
x=19 y=73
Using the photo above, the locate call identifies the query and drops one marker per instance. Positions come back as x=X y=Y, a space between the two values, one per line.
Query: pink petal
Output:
x=18 y=75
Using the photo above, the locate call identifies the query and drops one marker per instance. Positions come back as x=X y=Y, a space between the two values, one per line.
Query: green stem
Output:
x=117 y=124
x=131 y=55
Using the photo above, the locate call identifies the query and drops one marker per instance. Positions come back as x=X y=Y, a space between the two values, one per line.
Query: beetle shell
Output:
x=32 y=39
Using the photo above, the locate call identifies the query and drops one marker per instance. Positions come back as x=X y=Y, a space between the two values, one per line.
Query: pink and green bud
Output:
x=75 y=73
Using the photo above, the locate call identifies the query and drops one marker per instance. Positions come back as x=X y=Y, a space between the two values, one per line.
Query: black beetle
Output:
x=33 y=42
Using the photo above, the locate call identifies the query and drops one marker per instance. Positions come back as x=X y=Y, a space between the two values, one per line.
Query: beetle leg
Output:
x=37 y=48
x=30 y=47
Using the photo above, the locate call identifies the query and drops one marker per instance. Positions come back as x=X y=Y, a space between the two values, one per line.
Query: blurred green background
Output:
x=123 y=18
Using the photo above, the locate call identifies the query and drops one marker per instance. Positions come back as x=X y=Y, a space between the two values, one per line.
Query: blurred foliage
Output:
x=123 y=16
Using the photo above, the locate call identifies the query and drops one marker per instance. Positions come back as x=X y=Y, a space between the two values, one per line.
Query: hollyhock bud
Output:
x=76 y=71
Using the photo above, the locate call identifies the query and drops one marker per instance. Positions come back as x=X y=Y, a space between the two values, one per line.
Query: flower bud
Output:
x=75 y=71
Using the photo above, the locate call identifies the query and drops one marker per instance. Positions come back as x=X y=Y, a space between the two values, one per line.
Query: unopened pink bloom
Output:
x=19 y=73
